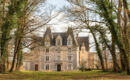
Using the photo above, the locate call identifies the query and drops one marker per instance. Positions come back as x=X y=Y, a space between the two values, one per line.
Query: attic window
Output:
x=47 y=41
x=58 y=42
x=69 y=41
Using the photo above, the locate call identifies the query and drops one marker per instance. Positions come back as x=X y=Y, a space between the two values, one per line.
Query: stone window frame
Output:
x=47 y=67
x=47 y=50
x=69 y=66
x=47 y=60
x=69 y=41
x=59 y=41
x=71 y=57
x=47 y=41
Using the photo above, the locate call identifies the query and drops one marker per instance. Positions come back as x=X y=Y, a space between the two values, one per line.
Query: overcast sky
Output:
x=60 y=26
x=58 y=3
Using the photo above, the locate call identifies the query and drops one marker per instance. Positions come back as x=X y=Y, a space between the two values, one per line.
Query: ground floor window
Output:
x=47 y=66
x=70 y=66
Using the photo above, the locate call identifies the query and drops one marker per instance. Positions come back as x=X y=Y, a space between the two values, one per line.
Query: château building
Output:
x=59 y=52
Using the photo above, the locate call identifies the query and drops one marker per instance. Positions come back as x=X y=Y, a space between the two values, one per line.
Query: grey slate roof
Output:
x=63 y=35
x=84 y=40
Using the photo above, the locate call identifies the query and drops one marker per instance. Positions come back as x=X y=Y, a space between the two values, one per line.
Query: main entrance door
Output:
x=58 y=67
x=36 y=67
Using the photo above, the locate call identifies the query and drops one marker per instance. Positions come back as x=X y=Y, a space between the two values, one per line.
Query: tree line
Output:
x=102 y=18
x=18 y=20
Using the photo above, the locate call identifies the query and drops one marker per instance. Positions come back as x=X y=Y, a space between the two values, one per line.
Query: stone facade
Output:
x=58 y=52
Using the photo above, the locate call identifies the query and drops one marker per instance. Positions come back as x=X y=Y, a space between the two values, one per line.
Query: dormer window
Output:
x=69 y=41
x=47 y=41
x=59 y=41
x=83 y=48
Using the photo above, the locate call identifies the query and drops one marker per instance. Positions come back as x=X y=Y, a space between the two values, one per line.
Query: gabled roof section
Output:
x=48 y=32
x=70 y=32
x=63 y=36
x=53 y=36
x=84 y=40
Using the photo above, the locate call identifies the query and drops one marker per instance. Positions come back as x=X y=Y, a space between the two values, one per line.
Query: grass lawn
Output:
x=77 y=75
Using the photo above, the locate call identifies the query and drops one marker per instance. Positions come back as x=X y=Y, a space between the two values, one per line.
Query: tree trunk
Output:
x=116 y=67
x=113 y=27
x=98 y=49
x=19 y=57
x=4 y=45
x=123 y=68
x=16 y=50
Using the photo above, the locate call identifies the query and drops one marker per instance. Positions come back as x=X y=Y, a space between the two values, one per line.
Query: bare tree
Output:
x=27 y=25
x=78 y=13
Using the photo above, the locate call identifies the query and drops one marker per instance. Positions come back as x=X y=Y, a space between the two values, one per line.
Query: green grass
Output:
x=76 y=75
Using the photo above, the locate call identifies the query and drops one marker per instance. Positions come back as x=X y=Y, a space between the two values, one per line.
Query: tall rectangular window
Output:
x=47 y=50
x=47 y=67
x=69 y=42
x=69 y=58
x=47 y=58
x=58 y=42
x=47 y=42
